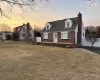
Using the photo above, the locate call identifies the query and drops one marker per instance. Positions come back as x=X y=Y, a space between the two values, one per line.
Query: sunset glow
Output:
x=54 y=10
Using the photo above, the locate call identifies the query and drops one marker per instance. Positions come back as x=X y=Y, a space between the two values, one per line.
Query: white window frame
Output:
x=47 y=27
x=45 y=35
x=64 y=35
x=68 y=25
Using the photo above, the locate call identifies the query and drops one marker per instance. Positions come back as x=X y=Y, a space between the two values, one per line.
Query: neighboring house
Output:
x=66 y=31
x=25 y=32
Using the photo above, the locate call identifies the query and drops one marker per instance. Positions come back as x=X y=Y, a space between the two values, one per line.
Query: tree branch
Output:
x=21 y=3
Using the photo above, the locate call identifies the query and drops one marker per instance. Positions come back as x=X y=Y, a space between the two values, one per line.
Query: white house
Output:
x=25 y=32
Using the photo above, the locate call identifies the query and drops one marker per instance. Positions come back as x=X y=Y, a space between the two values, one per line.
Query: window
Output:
x=83 y=34
x=68 y=24
x=30 y=34
x=23 y=35
x=23 y=29
x=64 y=35
x=47 y=27
x=45 y=35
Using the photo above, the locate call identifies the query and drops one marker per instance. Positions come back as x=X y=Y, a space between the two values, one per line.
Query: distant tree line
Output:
x=92 y=31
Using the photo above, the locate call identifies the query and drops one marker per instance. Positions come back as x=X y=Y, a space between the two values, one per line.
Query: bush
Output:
x=8 y=37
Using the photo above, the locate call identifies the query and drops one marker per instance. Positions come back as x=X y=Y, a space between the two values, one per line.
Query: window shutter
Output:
x=68 y=34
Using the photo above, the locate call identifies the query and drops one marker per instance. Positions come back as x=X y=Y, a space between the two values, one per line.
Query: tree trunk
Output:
x=92 y=45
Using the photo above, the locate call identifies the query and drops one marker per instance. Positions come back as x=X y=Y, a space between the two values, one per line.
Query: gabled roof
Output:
x=17 y=29
x=59 y=25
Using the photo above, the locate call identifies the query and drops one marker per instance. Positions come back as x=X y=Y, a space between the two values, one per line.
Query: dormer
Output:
x=68 y=23
x=48 y=26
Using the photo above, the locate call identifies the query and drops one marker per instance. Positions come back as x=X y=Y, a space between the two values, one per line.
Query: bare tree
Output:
x=91 y=31
x=91 y=2
x=4 y=28
x=92 y=40
x=28 y=4
x=98 y=31
x=92 y=36
x=37 y=29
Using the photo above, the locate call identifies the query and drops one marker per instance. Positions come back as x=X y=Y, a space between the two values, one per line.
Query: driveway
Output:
x=95 y=50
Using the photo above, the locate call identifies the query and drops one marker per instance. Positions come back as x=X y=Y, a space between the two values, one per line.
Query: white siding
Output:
x=32 y=34
x=85 y=43
x=83 y=31
x=23 y=31
x=76 y=30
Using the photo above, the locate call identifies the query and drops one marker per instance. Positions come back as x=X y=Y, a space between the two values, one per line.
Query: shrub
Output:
x=15 y=36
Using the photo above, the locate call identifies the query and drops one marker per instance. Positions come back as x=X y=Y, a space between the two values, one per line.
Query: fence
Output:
x=86 y=43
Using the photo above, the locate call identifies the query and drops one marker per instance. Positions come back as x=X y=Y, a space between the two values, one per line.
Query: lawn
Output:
x=23 y=61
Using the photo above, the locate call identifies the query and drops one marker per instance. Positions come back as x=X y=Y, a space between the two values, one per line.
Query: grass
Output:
x=22 y=61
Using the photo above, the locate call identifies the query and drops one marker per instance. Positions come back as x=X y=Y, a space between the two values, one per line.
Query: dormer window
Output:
x=47 y=27
x=68 y=24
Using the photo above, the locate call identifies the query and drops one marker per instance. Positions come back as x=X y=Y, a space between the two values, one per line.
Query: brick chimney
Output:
x=79 y=40
x=23 y=24
x=28 y=32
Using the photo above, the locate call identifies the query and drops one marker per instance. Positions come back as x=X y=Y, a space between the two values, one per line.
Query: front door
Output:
x=55 y=39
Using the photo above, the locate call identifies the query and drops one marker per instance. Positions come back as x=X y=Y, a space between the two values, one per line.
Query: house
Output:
x=25 y=32
x=68 y=31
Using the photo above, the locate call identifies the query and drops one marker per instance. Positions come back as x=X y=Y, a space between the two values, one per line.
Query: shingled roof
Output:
x=17 y=29
x=59 y=25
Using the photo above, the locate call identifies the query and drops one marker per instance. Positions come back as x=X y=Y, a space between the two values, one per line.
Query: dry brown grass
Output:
x=21 y=61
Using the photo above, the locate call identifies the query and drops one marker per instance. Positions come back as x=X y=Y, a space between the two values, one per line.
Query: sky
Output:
x=54 y=10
